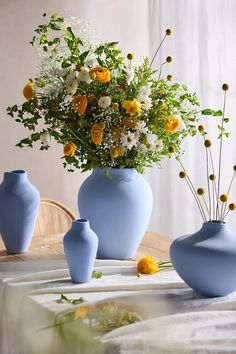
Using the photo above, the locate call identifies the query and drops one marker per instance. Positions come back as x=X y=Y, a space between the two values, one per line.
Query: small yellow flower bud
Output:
x=201 y=191
x=212 y=177
x=79 y=67
x=223 y=198
x=168 y=31
x=225 y=87
x=201 y=128
x=130 y=56
x=232 y=206
x=169 y=77
x=171 y=149
x=169 y=59
x=207 y=143
x=115 y=106
x=182 y=174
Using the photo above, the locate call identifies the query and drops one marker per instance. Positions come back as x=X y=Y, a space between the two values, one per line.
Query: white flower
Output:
x=128 y=140
x=144 y=93
x=159 y=145
x=151 y=139
x=104 y=102
x=91 y=61
x=71 y=76
x=142 y=148
x=84 y=76
x=72 y=86
x=141 y=127
x=147 y=103
x=187 y=106
x=130 y=76
x=45 y=138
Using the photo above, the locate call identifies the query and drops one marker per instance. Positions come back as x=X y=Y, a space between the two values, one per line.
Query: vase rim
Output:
x=17 y=172
x=81 y=221
x=114 y=170
x=215 y=223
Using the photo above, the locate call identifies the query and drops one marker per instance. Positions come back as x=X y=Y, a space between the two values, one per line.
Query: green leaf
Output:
x=84 y=55
x=97 y=275
x=218 y=113
x=207 y=112
x=64 y=298
x=55 y=27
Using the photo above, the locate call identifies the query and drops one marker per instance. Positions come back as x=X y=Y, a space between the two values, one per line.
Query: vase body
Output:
x=19 y=206
x=119 y=209
x=80 y=246
x=206 y=260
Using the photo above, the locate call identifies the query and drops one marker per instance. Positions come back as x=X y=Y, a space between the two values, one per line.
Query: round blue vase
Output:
x=80 y=246
x=119 y=209
x=206 y=260
x=19 y=206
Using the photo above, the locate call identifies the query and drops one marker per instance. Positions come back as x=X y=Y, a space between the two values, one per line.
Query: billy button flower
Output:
x=132 y=107
x=130 y=56
x=182 y=174
x=169 y=77
x=169 y=59
x=223 y=198
x=212 y=177
x=207 y=143
x=200 y=191
x=147 y=265
x=235 y=168
x=79 y=104
x=171 y=149
x=100 y=73
x=97 y=133
x=69 y=149
x=171 y=124
x=225 y=87
x=28 y=91
x=201 y=129
x=168 y=31
x=232 y=206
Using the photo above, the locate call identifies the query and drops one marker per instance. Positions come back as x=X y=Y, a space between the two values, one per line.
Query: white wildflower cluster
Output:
x=143 y=96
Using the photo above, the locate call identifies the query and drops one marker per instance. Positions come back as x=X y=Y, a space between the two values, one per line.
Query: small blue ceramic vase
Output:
x=119 y=208
x=80 y=246
x=206 y=260
x=19 y=206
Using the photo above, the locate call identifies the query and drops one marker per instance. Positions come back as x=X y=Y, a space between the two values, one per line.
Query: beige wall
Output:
x=18 y=19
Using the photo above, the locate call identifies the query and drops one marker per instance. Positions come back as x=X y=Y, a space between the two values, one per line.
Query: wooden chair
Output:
x=53 y=218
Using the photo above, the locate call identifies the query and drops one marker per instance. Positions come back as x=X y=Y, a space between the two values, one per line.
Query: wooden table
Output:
x=51 y=247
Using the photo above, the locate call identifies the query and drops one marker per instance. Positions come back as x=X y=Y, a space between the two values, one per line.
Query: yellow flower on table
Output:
x=82 y=311
x=97 y=133
x=69 y=149
x=147 y=265
x=132 y=107
x=100 y=73
x=29 y=91
x=79 y=104
x=172 y=123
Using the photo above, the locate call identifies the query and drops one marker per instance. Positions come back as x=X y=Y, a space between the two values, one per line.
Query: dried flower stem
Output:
x=193 y=191
x=214 y=184
x=158 y=49
x=208 y=182
x=220 y=155
x=228 y=191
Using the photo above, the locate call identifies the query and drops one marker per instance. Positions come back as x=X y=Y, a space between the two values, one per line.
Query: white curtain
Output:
x=203 y=46
x=204 y=49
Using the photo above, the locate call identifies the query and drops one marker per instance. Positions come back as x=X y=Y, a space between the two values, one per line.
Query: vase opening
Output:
x=18 y=171
x=81 y=220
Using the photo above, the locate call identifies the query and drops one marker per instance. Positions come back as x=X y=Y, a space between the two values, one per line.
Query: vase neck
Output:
x=80 y=225
x=214 y=227
x=15 y=177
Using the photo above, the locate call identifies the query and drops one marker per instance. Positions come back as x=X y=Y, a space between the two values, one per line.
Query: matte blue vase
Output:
x=119 y=209
x=206 y=260
x=19 y=206
x=80 y=246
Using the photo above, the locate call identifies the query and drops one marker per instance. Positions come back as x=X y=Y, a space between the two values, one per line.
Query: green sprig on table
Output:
x=77 y=301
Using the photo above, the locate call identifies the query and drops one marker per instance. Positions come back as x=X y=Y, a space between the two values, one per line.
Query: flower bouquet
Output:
x=108 y=109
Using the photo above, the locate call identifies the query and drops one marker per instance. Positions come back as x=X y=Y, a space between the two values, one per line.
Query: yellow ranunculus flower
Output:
x=69 y=149
x=79 y=104
x=100 y=73
x=28 y=91
x=147 y=265
x=172 y=123
x=97 y=133
x=117 y=151
x=132 y=107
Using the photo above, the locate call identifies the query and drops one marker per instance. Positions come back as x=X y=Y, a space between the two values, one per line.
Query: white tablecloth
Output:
x=181 y=320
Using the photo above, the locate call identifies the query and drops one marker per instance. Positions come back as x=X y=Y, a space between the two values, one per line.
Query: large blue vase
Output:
x=206 y=260
x=119 y=209
x=19 y=205
x=80 y=246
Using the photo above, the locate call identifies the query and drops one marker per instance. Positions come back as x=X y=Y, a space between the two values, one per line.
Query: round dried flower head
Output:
x=212 y=177
x=225 y=87
x=232 y=206
x=171 y=149
x=201 y=191
x=169 y=77
x=130 y=56
x=168 y=31
x=234 y=167
x=201 y=128
x=182 y=174
x=223 y=198
x=169 y=59
x=207 y=143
